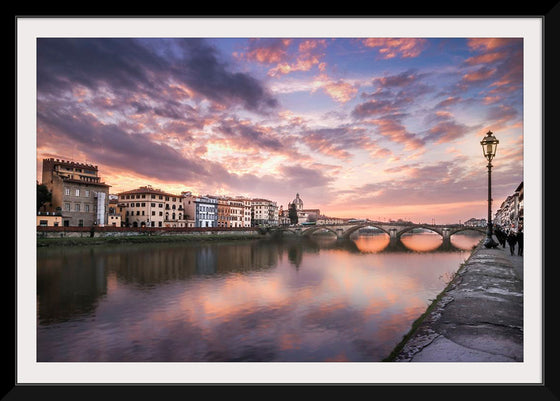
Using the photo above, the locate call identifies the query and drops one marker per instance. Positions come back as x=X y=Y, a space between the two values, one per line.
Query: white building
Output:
x=510 y=213
x=304 y=215
x=202 y=209
x=264 y=212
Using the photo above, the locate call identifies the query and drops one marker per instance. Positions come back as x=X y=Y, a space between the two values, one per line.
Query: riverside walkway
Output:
x=478 y=317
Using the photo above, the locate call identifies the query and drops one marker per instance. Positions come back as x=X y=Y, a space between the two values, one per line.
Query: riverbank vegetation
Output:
x=139 y=239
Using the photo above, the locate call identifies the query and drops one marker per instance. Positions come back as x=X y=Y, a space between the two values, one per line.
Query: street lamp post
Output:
x=489 y=146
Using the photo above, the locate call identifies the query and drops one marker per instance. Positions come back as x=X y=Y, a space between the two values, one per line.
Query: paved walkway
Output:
x=479 y=317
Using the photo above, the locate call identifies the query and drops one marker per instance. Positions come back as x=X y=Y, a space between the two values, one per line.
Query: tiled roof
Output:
x=147 y=190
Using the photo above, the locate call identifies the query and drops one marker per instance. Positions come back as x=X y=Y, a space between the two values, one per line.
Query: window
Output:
x=80 y=223
x=67 y=207
x=77 y=193
x=43 y=223
x=87 y=194
x=77 y=207
x=86 y=208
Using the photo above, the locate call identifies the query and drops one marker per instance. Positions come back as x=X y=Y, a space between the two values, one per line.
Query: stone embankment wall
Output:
x=101 y=232
x=477 y=318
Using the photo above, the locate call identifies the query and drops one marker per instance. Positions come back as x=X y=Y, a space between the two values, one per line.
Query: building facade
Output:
x=77 y=192
x=510 y=213
x=49 y=219
x=149 y=207
x=473 y=222
x=304 y=215
x=202 y=209
x=231 y=212
x=264 y=212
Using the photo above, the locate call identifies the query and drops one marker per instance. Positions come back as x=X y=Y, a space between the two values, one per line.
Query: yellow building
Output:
x=49 y=219
x=149 y=207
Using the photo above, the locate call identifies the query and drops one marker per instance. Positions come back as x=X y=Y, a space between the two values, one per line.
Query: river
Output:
x=289 y=300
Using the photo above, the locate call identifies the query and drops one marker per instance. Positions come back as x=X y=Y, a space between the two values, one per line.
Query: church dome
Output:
x=298 y=202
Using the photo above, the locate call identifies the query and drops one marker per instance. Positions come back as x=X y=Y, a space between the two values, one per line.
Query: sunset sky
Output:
x=383 y=128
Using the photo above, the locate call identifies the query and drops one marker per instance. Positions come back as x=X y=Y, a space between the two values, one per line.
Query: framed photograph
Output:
x=280 y=200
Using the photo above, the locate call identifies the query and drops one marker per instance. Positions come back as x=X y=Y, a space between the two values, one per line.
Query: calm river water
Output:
x=292 y=300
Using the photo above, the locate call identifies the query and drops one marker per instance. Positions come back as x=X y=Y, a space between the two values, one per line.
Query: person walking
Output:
x=511 y=240
x=519 y=238
x=500 y=234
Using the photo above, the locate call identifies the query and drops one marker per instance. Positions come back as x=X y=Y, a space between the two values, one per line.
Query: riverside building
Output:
x=510 y=213
x=304 y=215
x=78 y=194
x=202 y=209
x=149 y=207
x=264 y=212
x=231 y=212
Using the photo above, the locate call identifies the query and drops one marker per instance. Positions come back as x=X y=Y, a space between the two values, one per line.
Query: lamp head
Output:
x=489 y=145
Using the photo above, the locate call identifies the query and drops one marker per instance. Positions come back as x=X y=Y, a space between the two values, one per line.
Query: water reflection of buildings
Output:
x=63 y=291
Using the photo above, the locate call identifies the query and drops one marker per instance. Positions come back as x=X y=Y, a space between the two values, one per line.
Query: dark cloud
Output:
x=127 y=65
x=116 y=63
x=374 y=108
x=201 y=69
x=110 y=145
x=250 y=136
x=446 y=131
x=340 y=141
x=403 y=79
x=303 y=177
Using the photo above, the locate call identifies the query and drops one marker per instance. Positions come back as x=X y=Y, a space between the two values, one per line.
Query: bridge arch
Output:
x=311 y=230
x=465 y=228
x=355 y=228
x=410 y=228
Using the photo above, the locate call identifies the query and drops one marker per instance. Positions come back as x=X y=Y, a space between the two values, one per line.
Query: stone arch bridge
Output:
x=395 y=231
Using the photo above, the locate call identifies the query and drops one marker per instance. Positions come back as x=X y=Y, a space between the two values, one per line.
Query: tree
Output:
x=292 y=214
x=43 y=195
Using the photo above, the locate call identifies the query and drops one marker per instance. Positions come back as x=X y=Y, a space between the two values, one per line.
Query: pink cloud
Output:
x=396 y=132
x=310 y=53
x=488 y=43
x=268 y=51
x=339 y=91
x=393 y=47
x=479 y=75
